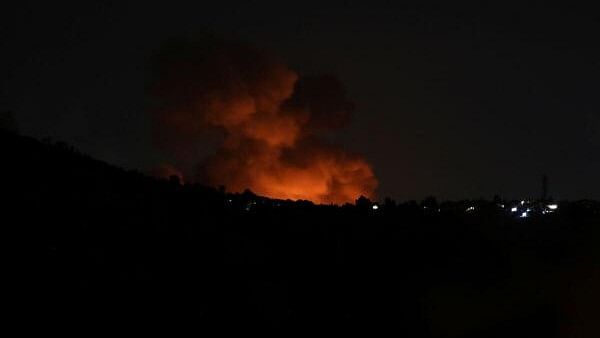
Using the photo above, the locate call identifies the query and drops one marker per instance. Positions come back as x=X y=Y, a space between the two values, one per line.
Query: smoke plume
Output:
x=270 y=119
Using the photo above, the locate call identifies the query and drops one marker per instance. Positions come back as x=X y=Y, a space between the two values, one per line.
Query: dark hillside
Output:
x=93 y=244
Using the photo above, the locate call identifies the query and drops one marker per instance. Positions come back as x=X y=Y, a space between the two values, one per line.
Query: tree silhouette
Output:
x=363 y=202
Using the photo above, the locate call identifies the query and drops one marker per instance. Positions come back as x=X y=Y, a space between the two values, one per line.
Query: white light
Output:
x=523 y=215
x=470 y=208
x=375 y=207
x=552 y=206
x=528 y=209
x=522 y=202
x=513 y=209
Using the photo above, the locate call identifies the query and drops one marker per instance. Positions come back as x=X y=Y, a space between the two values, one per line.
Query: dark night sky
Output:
x=457 y=102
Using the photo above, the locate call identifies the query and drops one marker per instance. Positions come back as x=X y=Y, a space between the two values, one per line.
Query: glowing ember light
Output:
x=552 y=206
x=375 y=207
x=513 y=209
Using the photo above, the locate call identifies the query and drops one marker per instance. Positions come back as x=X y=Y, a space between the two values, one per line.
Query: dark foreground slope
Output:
x=93 y=245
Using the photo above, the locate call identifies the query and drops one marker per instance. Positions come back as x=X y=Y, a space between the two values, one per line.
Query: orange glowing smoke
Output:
x=270 y=119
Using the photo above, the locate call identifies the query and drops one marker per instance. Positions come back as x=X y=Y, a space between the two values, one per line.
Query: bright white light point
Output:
x=522 y=202
x=528 y=209
x=375 y=207
x=523 y=215
x=513 y=209
x=552 y=206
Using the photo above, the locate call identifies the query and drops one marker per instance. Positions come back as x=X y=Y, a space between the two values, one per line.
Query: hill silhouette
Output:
x=96 y=245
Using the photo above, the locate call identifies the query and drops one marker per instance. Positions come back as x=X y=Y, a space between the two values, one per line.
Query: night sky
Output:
x=456 y=102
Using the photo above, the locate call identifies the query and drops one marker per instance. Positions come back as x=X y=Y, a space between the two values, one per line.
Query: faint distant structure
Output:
x=8 y=122
x=544 y=187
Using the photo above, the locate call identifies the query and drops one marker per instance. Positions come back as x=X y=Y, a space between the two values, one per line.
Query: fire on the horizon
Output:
x=271 y=119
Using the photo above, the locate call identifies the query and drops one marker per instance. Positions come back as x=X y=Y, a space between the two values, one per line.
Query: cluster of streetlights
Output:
x=525 y=209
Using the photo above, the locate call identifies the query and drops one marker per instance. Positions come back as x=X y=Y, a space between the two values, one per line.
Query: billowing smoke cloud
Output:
x=271 y=122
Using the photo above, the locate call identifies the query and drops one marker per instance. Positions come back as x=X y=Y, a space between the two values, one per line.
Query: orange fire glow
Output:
x=271 y=120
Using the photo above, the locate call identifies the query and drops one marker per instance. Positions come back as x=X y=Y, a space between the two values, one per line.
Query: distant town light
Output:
x=375 y=207
x=470 y=208
x=524 y=214
x=528 y=209
x=552 y=206
x=522 y=202
x=513 y=209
